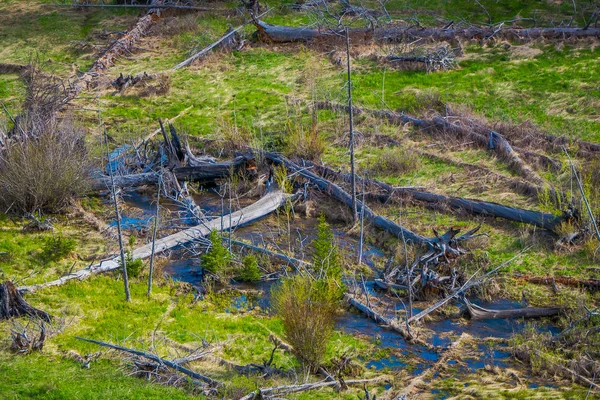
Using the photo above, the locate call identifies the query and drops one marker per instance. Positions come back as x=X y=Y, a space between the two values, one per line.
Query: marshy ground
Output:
x=260 y=95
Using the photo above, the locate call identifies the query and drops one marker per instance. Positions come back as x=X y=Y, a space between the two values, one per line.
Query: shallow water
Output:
x=189 y=270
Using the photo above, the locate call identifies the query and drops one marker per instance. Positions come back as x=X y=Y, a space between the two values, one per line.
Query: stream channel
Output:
x=139 y=210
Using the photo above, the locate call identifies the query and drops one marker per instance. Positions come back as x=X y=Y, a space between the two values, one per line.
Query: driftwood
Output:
x=205 y=173
x=263 y=207
x=283 y=34
x=13 y=305
x=441 y=202
x=161 y=361
x=476 y=312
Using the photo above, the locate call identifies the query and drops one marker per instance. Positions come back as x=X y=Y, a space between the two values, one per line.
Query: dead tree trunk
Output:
x=442 y=202
x=263 y=207
x=284 y=34
x=493 y=141
x=120 y=47
x=436 y=243
x=12 y=304
x=477 y=313
x=205 y=173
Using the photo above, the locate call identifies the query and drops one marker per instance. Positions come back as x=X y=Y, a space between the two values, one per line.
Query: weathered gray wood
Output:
x=477 y=313
x=380 y=319
x=152 y=357
x=12 y=304
x=438 y=201
x=266 y=205
x=283 y=34
x=204 y=173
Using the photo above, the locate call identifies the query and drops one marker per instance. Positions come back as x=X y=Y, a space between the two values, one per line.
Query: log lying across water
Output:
x=204 y=173
x=477 y=313
x=285 y=34
x=263 y=207
x=444 y=243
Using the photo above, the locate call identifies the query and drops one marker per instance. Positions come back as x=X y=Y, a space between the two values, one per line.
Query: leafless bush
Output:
x=44 y=170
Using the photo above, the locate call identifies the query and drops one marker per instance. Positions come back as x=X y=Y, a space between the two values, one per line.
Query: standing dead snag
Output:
x=12 y=304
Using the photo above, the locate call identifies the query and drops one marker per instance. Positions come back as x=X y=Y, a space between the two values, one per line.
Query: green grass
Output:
x=40 y=376
x=553 y=86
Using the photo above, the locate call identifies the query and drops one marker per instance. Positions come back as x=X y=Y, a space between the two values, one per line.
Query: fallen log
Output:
x=286 y=34
x=263 y=207
x=161 y=361
x=380 y=283
x=143 y=6
x=441 y=202
x=288 y=389
x=121 y=46
x=380 y=319
x=294 y=261
x=13 y=305
x=478 y=313
x=225 y=41
x=491 y=141
x=436 y=243
x=205 y=173
x=592 y=284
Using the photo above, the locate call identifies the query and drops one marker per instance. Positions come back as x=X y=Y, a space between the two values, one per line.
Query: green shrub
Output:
x=134 y=266
x=250 y=271
x=217 y=259
x=326 y=259
x=57 y=247
x=307 y=309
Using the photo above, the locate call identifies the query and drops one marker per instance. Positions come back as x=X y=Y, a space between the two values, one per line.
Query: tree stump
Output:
x=12 y=304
